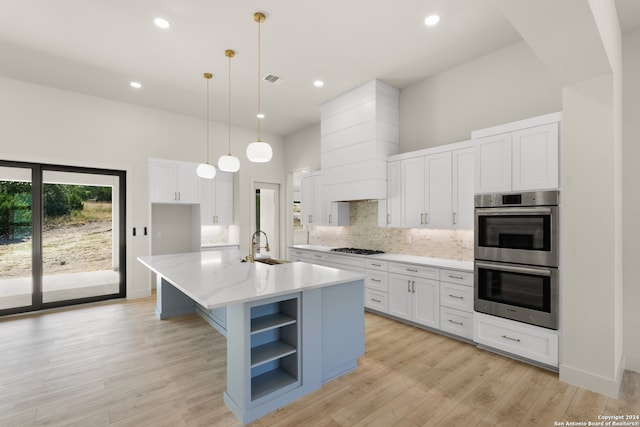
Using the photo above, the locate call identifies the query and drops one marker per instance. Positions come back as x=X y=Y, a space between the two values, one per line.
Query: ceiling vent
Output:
x=272 y=78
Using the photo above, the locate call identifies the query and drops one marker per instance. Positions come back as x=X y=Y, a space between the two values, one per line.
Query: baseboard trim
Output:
x=607 y=386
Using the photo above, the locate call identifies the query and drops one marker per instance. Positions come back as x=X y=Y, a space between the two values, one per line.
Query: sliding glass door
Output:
x=67 y=246
x=16 y=238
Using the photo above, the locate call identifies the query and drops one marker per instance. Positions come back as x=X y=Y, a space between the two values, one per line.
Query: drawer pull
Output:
x=456 y=296
x=318 y=256
x=456 y=323
x=376 y=265
x=511 y=339
x=456 y=277
x=376 y=280
x=376 y=300
x=413 y=270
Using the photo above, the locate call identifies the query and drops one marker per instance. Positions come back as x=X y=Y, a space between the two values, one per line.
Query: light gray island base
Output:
x=289 y=327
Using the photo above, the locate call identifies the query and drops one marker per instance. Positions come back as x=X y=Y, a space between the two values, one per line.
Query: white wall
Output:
x=631 y=197
x=303 y=148
x=42 y=124
x=507 y=85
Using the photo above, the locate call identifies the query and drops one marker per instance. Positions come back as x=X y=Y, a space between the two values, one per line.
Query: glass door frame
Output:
x=37 y=170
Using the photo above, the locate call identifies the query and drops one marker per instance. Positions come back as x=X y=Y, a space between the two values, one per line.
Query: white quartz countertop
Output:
x=218 y=278
x=408 y=259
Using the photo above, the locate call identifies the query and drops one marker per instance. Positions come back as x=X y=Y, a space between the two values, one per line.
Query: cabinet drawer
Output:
x=517 y=338
x=345 y=260
x=456 y=322
x=459 y=277
x=456 y=296
x=376 y=300
x=317 y=257
x=414 y=270
x=377 y=280
x=377 y=265
x=343 y=266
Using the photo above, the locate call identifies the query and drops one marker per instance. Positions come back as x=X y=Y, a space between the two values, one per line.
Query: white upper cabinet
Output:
x=535 y=158
x=336 y=213
x=431 y=188
x=438 y=197
x=463 y=162
x=389 y=210
x=426 y=191
x=493 y=164
x=519 y=156
x=216 y=199
x=413 y=192
x=173 y=182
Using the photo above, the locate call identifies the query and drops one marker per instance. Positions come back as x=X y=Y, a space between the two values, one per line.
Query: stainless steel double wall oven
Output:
x=516 y=256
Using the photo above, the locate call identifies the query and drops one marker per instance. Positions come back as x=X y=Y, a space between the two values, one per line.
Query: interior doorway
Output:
x=267 y=216
x=62 y=236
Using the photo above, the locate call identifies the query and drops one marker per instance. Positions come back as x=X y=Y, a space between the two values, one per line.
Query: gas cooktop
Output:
x=357 y=251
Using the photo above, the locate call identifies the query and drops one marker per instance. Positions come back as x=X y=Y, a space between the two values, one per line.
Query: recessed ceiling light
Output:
x=431 y=20
x=162 y=23
x=318 y=83
x=135 y=85
x=260 y=116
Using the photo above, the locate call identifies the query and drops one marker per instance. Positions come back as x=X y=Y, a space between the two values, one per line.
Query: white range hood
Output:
x=359 y=130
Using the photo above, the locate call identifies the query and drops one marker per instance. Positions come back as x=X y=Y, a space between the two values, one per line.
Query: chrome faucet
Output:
x=252 y=255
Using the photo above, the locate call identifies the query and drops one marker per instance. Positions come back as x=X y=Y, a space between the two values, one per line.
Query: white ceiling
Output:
x=97 y=47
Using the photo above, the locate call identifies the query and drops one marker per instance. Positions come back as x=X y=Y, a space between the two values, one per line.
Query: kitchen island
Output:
x=290 y=327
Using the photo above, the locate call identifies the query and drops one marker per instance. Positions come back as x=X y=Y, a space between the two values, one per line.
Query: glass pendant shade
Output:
x=259 y=152
x=229 y=163
x=205 y=170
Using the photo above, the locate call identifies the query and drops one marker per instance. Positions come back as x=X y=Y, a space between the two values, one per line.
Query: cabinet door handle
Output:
x=175 y=196
x=376 y=300
x=310 y=219
x=511 y=339
x=408 y=285
x=422 y=218
x=455 y=277
x=178 y=196
x=454 y=218
x=413 y=282
x=426 y=217
x=455 y=296
x=413 y=270
x=456 y=323
x=388 y=218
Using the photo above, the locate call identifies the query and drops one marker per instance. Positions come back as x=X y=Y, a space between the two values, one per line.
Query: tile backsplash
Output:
x=363 y=232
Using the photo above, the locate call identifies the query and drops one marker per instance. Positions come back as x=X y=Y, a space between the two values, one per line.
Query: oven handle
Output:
x=512 y=269
x=513 y=211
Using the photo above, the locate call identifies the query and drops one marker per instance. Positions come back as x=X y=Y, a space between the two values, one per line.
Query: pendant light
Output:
x=207 y=170
x=259 y=151
x=229 y=163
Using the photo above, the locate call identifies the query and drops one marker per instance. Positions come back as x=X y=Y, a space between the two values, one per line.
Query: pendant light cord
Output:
x=229 y=153
x=259 y=107
x=208 y=77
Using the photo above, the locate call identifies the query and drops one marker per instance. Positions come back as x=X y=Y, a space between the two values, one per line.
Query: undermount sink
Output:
x=272 y=261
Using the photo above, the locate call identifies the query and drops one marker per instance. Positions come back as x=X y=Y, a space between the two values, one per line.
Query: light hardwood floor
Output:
x=116 y=364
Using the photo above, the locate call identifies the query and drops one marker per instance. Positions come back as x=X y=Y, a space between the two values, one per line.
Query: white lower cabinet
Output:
x=376 y=285
x=415 y=299
x=456 y=322
x=519 y=339
x=376 y=300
